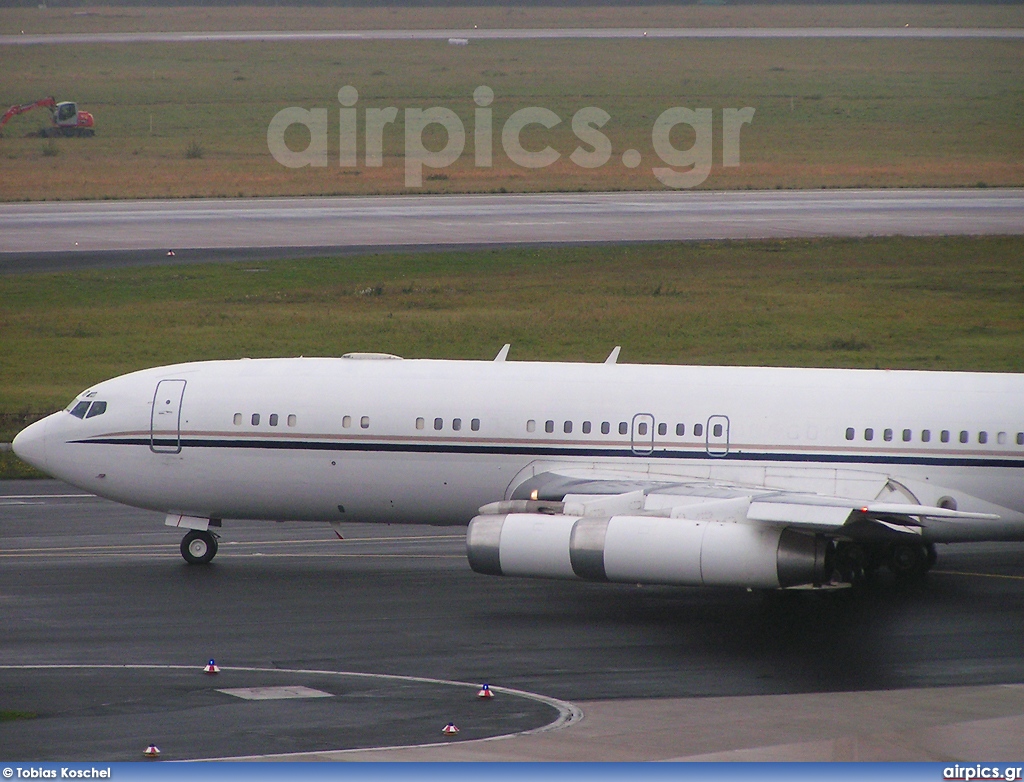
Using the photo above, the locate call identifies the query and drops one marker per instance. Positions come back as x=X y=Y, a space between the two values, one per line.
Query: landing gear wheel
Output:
x=198 y=547
x=907 y=560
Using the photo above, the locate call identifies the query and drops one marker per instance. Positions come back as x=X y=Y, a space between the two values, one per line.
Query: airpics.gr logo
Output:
x=982 y=772
x=683 y=168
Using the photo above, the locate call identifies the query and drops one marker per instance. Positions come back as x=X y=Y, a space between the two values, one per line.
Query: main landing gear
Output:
x=906 y=560
x=198 y=547
x=910 y=560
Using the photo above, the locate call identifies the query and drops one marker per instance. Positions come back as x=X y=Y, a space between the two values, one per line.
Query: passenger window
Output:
x=907 y=435
x=944 y=435
x=926 y=435
x=98 y=408
x=237 y=419
x=78 y=411
x=605 y=427
x=255 y=419
x=457 y=424
x=698 y=430
x=963 y=437
x=641 y=428
x=586 y=427
x=438 y=424
x=681 y=430
x=869 y=434
x=717 y=430
x=549 y=426
x=346 y=421
x=887 y=435
x=567 y=427
x=1020 y=438
x=273 y=419
x=291 y=420
x=531 y=426
x=623 y=428
x=982 y=437
x=1000 y=438
x=850 y=433
x=420 y=423
x=475 y=424
x=662 y=429
x=364 y=422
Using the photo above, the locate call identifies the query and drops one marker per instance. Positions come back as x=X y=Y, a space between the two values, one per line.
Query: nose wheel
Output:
x=198 y=547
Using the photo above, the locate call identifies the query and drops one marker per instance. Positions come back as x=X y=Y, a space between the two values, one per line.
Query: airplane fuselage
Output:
x=371 y=438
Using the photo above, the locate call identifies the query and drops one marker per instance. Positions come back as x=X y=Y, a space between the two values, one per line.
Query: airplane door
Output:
x=165 y=420
x=642 y=434
x=717 y=438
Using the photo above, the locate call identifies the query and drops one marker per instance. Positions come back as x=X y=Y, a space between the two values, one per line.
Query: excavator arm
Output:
x=14 y=111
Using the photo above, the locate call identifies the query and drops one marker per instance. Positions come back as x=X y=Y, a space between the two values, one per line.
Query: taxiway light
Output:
x=485 y=692
x=152 y=751
x=449 y=729
x=211 y=667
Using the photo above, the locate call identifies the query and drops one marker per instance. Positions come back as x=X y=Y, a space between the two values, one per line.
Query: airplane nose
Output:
x=30 y=444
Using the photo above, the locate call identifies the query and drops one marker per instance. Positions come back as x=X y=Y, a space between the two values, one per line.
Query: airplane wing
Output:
x=606 y=493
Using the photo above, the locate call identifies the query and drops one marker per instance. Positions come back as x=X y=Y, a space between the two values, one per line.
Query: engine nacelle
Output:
x=647 y=550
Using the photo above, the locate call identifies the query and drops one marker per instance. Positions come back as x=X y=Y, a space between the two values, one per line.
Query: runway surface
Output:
x=50 y=236
x=735 y=674
x=512 y=34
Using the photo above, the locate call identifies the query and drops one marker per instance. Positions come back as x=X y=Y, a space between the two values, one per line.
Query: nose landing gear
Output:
x=198 y=547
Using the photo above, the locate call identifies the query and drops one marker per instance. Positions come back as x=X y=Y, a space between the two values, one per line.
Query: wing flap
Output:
x=801 y=514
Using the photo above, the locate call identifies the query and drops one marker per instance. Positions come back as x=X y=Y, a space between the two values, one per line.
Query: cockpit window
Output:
x=87 y=408
x=78 y=411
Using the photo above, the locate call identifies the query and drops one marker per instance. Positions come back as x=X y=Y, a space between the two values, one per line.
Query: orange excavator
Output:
x=65 y=117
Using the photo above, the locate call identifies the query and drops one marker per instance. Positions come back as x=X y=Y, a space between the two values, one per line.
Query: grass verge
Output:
x=828 y=113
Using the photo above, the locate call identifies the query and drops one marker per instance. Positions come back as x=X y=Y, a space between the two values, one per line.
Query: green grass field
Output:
x=828 y=113
x=955 y=303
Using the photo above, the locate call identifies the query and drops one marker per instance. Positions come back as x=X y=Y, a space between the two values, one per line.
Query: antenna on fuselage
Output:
x=614 y=355
x=503 y=353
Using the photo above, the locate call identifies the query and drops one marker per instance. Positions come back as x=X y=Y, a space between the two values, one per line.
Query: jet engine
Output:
x=648 y=549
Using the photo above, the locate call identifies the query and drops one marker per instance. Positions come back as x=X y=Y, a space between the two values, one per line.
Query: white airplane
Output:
x=750 y=477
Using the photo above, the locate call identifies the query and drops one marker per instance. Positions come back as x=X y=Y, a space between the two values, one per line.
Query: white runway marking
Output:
x=45 y=496
x=511 y=34
x=275 y=693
